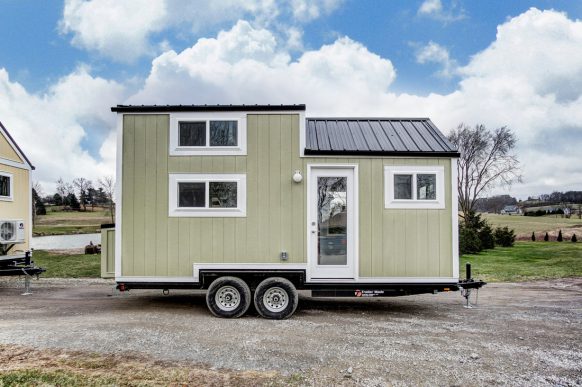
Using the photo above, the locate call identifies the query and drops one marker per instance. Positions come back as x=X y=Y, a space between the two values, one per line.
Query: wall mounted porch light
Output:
x=297 y=176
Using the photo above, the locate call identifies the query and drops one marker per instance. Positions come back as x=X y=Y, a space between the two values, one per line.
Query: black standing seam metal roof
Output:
x=17 y=147
x=376 y=137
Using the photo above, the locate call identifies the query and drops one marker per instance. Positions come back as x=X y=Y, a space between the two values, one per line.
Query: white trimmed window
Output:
x=195 y=134
x=413 y=186
x=207 y=195
x=6 y=186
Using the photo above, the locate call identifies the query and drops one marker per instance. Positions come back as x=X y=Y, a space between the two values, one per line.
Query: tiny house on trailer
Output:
x=15 y=209
x=253 y=202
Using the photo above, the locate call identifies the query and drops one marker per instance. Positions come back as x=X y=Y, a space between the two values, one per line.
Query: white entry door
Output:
x=331 y=222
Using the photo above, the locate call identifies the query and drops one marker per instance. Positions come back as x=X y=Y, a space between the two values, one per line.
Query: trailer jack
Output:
x=467 y=285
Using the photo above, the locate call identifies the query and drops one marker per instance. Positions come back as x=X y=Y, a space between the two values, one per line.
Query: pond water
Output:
x=57 y=242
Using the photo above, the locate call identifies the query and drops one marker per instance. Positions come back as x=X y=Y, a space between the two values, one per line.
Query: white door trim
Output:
x=355 y=226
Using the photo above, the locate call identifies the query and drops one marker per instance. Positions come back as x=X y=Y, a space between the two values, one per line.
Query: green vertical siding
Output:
x=392 y=242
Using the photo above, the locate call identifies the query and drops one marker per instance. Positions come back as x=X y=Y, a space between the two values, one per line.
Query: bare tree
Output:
x=107 y=184
x=82 y=185
x=487 y=160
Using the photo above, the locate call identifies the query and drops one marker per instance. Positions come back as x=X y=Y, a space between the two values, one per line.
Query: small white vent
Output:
x=11 y=231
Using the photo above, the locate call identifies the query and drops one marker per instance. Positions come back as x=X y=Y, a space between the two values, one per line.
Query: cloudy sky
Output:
x=514 y=63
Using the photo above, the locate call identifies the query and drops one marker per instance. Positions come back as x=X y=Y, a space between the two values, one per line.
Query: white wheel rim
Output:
x=275 y=299
x=227 y=298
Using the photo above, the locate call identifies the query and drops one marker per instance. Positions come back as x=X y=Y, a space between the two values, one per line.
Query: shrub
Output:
x=504 y=236
x=533 y=236
x=486 y=237
x=546 y=237
x=560 y=239
x=469 y=242
x=574 y=239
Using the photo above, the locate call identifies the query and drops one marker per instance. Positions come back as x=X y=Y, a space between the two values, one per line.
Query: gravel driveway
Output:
x=520 y=334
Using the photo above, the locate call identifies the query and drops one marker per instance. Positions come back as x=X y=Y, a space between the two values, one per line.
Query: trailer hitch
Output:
x=468 y=285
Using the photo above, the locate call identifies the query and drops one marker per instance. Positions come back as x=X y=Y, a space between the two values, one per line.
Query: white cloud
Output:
x=246 y=65
x=435 y=10
x=116 y=29
x=523 y=80
x=123 y=30
x=50 y=127
x=435 y=53
x=519 y=81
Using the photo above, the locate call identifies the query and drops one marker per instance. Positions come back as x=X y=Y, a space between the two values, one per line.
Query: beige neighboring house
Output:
x=15 y=189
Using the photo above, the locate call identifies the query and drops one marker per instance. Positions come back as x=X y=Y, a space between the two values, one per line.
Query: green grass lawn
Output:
x=526 y=261
x=68 y=266
x=528 y=224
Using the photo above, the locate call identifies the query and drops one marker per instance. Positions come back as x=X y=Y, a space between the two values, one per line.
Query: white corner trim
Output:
x=455 y=215
x=196 y=267
x=10 y=197
x=118 y=194
x=175 y=211
x=391 y=203
x=302 y=134
x=239 y=150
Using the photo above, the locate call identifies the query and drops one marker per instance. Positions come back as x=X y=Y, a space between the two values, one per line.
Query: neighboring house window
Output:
x=5 y=186
x=198 y=134
x=207 y=195
x=414 y=187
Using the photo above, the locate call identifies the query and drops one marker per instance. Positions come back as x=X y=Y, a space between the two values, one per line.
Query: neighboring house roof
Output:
x=15 y=145
x=376 y=137
x=510 y=208
x=204 y=108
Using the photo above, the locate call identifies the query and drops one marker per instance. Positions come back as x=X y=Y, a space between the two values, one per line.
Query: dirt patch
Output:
x=520 y=334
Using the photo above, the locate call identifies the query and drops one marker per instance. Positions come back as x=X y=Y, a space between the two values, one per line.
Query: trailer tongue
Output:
x=20 y=264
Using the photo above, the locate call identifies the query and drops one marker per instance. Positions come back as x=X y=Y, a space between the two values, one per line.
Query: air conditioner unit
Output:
x=11 y=231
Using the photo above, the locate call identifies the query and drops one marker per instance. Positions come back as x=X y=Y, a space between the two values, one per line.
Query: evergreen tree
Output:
x=533 y=236
x=560 y=239
x=546 y=237
x=574 y=239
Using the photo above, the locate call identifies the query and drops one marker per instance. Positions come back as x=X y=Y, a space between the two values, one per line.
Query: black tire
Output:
x=228 y=297
x=276 y=298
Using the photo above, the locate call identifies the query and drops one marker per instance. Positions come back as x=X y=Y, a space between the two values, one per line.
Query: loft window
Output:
x=5 y=186
x=196 y=134
x=414 y=187
x=204 y=195
x=192 y=133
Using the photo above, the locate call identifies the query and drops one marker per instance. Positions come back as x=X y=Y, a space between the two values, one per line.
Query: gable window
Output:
x=5 y=186
x=414 y=187
x=207 y=195
x=196 y=134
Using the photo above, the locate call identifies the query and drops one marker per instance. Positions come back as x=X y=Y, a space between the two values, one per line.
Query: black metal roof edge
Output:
x=367 y=118
x=204 y=108
x=312 y=152
x=17 y=147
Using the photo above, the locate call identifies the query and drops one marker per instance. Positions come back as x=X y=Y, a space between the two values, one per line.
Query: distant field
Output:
x=525 y=225
x=526 y=261
x=57 y=222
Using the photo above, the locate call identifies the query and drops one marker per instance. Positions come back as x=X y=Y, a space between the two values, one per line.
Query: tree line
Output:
x=77 y=195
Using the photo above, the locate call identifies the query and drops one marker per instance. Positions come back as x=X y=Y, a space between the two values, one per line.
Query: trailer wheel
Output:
x=276 y=298
x=228 y=297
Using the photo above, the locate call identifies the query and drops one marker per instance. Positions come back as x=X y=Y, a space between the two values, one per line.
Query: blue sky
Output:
x=68 y=62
